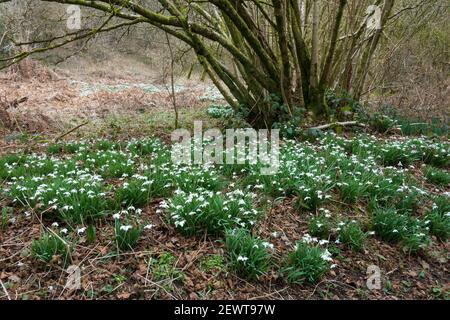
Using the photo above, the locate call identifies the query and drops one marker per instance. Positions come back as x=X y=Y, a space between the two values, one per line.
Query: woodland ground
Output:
x=331 y=195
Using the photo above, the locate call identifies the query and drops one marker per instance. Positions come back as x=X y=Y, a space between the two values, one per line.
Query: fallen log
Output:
x=343 y=124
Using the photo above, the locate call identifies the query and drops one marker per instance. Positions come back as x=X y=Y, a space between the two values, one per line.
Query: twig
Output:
x=265 y=296
x=4 y=289
x=70 y=131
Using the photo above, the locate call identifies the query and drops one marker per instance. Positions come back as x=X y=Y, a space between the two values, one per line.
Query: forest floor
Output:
x=331 y=195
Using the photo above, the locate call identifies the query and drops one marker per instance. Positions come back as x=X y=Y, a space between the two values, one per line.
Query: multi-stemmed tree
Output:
x=291 y=49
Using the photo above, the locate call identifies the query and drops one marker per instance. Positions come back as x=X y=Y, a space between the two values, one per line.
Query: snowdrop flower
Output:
x=126 y=228
x=180 y=223
x=326 y=256
x=81 y=230
x=64 y=231
x=55 y=225
x=267 y=245
x=242 y=258
x=149 y=226
x=116 y=216
x=308 y=239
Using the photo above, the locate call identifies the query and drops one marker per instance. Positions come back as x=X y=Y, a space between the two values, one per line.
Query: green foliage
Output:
x=69 y=148
x=76 y=197
x=145 y=146
x=91 y=234
x=352 y=235
x=436 y=176
x=392 y=226
x=220 y=112
x=388 y=116
x=212 y=212
x=109 y=164
x=416 y=127
x=438 y=218
x=127 y=235
x=381 y=123
x=106 y=145
x=342 y=106
x=437 y=154
x=247 y=256
x=5 y=217
x=142 y=188
x=48 y=246
x=320 y=226
x=214 y=263
x=306 y=263
x=163 y=268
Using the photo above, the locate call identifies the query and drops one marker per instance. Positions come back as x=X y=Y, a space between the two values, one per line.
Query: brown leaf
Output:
x=193 y=296
x=124 y=295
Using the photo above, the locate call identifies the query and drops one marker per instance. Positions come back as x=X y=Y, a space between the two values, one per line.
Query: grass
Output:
x=212 y=212
x=306 y=264
x=320 y=226
x=4 y=218
x=438 y=218
x=48 y=246
x=126 y=235
x=392 y=226
x=437 y=176
x=351 y=235
x=248 y=256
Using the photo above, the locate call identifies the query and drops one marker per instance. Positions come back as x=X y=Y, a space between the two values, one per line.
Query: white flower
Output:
x=126 y=228
x=267 y=245
x=55 y=225
x=308 y=239
x=180 y=223
x=149 y=226
x=242 y=258
x=116 y=216
x=64 y=231
x=81 y=230
x=326 y=256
